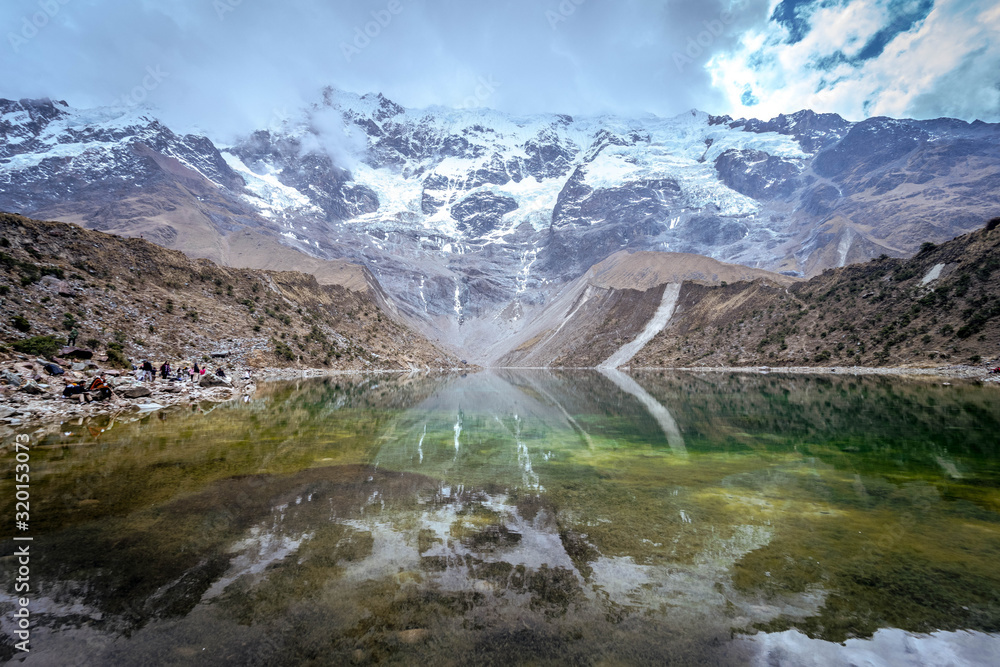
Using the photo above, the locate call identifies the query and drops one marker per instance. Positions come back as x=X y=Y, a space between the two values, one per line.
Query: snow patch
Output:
x=269 y=194
x=655 y=325
x=933 y=274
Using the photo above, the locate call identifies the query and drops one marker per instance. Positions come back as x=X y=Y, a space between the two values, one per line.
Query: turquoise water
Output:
x=515 y=518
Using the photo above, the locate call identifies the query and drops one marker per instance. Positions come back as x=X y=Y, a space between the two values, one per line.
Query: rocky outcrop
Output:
x=480 y=213
x=759 y=175
x=212 y=380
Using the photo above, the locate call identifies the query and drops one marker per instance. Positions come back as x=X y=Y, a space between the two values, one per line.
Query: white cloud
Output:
x=946 y=65
x=231 y=75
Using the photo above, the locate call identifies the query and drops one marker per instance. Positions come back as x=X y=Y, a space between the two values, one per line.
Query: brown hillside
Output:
x=160 y=304
x=645 y=269
x=886 y=312
x=609 y=305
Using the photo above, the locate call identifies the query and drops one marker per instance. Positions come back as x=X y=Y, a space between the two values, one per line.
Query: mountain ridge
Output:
x=466 y=216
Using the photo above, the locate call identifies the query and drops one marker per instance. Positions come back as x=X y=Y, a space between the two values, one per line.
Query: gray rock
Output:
x=11 y=378
x=31 y=387
x=6 y=412
x=79 y=366
x=136 y=392
x=220 y=354
x=212 y=380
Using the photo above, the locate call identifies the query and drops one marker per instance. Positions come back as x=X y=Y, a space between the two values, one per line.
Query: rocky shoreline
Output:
x=35 y=404
x=959 y=372
x=31 y=399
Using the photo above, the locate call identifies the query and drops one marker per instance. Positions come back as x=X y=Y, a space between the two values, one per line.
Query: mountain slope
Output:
x=612 y=304
x=943 y=305
x=158 y=303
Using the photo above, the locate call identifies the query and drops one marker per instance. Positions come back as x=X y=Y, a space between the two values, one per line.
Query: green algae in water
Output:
x=520 y=517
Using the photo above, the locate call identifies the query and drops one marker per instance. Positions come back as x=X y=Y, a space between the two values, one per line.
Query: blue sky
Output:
x=230 y=65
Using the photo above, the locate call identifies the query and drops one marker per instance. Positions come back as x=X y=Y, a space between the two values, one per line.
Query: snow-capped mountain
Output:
x=471 y=218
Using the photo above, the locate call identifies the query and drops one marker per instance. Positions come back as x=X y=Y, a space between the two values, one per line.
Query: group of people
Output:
x=145 y=372
x=96 y=390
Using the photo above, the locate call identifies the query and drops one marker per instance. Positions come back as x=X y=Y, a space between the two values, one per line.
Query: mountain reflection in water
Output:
x=521 y=517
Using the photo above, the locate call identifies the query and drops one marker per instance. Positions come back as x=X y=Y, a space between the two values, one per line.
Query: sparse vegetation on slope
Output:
x=941 y=306
x=131 y=298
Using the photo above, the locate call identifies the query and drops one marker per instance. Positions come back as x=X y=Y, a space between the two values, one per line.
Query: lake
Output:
x=535 y=517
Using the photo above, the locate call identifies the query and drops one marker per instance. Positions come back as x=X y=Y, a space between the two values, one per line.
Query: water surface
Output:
x=518 y=518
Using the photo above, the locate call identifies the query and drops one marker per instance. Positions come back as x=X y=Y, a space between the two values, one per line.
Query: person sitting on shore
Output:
x=76 y=390
x=221 y=373
x=100 y=389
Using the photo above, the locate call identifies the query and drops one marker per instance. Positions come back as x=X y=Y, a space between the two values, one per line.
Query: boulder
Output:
x=31 y=387
x=66 y=363
x=172 y=389
x=113 y=374
x=79 y=366
x=220 y=354
x=11 y=378
x=213 y=380
x=136 y=392
x=7 y=412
